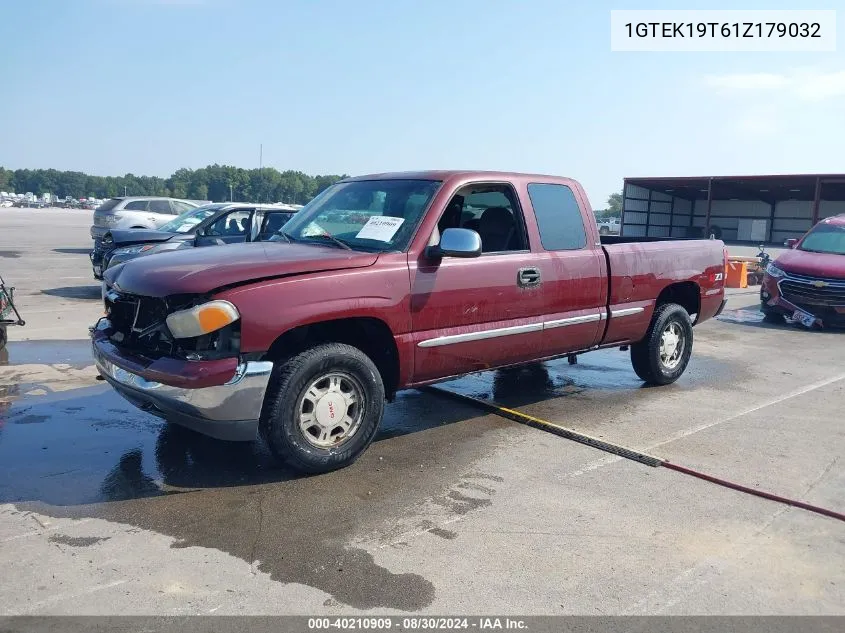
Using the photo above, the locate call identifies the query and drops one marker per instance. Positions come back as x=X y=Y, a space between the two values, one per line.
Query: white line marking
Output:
x=792 y=394
x=612 y=459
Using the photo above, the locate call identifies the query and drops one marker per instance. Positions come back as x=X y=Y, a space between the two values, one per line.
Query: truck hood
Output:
x=812 y=264
x=202 y=270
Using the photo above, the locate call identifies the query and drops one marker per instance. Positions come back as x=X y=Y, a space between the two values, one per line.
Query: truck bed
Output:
x=641 y=269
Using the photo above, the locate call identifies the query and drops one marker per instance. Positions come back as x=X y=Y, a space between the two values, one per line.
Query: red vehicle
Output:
x=302 y=339
x=807 y=283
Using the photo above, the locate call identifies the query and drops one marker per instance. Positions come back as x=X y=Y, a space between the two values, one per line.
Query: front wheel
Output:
x=662 y=356
x=323 y=407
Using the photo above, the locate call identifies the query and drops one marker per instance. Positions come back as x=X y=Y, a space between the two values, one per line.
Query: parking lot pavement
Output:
x=104 y=509
x=44 y=254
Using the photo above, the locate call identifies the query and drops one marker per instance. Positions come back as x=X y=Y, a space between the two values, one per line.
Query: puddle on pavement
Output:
x=73 y=353
x=605 y=373
x=87 y=453
x=742 y=315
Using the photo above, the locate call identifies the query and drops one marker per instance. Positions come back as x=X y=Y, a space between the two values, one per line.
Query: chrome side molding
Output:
x=524 y=329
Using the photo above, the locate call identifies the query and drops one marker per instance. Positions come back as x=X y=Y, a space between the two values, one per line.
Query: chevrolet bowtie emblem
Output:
x=820 y=284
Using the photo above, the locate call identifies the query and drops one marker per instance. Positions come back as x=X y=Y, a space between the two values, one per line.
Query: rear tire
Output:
x=322 y=408
x=662 y=356
x=3 y=336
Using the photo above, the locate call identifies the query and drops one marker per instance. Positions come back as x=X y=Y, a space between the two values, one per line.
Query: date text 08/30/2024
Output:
x=416 y=623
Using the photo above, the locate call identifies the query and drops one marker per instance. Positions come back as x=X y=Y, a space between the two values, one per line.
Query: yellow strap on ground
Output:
x=551 y=427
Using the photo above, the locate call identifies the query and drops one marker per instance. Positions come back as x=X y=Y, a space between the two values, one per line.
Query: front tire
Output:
x=662 y=356
x=323 y=408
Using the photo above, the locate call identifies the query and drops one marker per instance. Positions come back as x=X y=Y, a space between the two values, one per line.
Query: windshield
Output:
x=825 y=238
x=188 y=220
x=370 y=215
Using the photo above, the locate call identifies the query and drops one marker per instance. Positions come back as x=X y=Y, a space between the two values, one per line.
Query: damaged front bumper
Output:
x=228 y=411
x=793 y=312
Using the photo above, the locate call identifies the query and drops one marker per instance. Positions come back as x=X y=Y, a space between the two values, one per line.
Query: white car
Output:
x=137 y=212
x=609 y=226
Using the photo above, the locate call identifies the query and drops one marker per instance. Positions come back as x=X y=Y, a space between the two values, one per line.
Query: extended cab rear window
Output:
x=558 y=217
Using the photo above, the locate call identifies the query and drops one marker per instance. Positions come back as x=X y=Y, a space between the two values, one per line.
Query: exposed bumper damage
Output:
x=228 y=411
x=811 y=301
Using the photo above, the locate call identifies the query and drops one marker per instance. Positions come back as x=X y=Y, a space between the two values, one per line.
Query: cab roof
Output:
x=447 y=174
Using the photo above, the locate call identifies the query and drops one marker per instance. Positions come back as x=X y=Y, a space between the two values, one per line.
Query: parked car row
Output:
x=135 y=212
x=383 y=283
x=209 y=225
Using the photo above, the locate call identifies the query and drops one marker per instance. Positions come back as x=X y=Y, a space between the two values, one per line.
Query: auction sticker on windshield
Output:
x=380 y=227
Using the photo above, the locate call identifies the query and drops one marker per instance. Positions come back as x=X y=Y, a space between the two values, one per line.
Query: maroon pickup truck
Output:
x=389 y=282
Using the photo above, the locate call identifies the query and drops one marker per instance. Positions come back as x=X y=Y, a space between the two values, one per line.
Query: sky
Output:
x=331 y=86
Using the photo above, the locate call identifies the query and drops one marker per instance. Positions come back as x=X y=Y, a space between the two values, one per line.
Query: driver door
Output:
x=478 y=313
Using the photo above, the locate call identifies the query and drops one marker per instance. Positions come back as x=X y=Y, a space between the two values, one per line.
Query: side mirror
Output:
x=456 y=243
x=791 y=242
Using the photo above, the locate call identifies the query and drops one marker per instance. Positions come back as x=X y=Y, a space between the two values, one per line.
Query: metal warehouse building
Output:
x=753 y=209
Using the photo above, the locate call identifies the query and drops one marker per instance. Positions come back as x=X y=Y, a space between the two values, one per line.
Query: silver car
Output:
x=137 y=212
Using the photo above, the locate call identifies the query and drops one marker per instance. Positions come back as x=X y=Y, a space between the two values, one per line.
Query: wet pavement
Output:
x=73 y=353
x=89 y=454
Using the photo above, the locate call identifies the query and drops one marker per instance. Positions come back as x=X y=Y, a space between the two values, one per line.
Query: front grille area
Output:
x=98 y=252
x=820 y=296
x=137 y=321
x=816 y=291
x=138 y=325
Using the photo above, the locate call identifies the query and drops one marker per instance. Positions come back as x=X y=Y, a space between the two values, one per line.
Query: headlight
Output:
x=134 y=250
x=774 y=271
x=202 y=319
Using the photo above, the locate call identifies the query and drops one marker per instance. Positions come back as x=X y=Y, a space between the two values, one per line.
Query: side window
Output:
x=136 y=205
x=232 y=224
x=558 y=217
x=160 y=206
x=272 y=223
x=493 y=212
x=180 y=207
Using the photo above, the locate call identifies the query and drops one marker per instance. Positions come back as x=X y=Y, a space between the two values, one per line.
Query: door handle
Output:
x=527 y=277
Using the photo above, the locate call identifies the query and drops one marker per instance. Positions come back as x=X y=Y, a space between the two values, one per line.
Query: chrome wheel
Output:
x=672 y=344
x=331 y=409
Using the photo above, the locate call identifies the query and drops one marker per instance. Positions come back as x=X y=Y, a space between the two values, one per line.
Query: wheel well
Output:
x=372 y=336
x=686 y=294
x=137 y=227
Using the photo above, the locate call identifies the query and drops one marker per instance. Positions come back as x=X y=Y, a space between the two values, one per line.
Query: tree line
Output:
x=613 y=209
x=214 y=182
